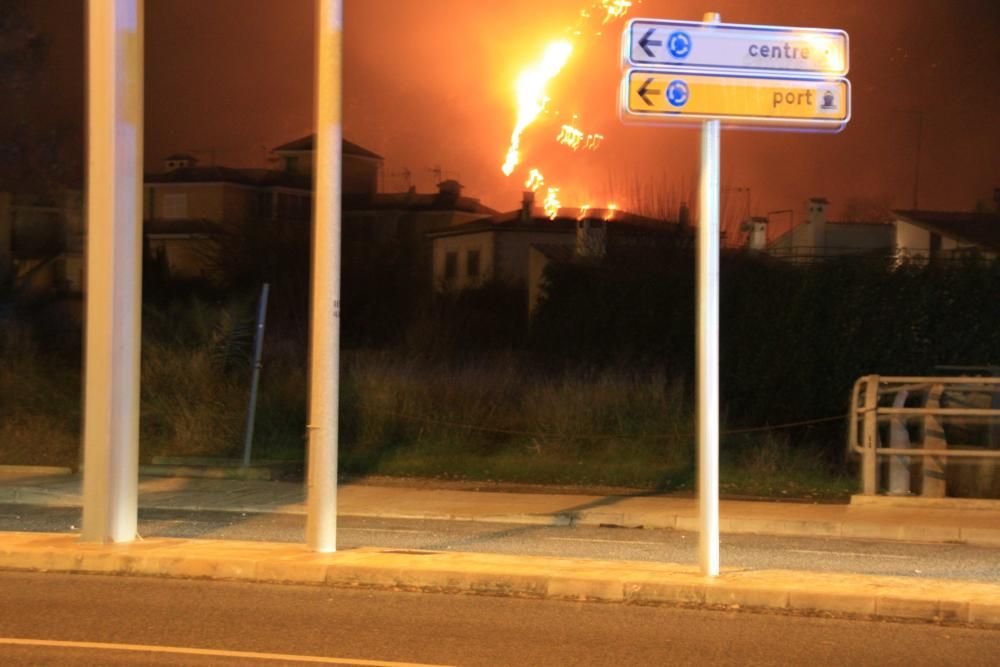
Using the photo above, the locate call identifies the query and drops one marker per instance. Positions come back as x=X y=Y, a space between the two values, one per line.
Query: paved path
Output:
x=979 y=525
x=545 y=577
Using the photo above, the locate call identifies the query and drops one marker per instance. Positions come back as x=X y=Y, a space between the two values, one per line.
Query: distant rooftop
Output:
x=307 y=145
x=252 y=177
x=564 y=223
x=982 y=229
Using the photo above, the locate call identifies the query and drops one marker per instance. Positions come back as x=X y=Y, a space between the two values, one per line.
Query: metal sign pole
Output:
x=708 y=346
x=258 y=351
x=324 y=354
x=114 y=280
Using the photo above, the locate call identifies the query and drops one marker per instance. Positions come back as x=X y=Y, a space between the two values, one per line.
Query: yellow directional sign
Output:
x=668 y=95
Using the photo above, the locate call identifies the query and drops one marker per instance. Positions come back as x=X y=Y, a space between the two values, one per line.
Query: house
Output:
x=902 y=234
x=186 y=207
x=945 y=234
x=817 y=237
x=360 y=167
x=41 y=244
x=516 y=247
x=404 y=219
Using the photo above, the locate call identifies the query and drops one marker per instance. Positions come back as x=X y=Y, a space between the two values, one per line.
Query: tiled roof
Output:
x=982 y=229
x=252 y=177
x=411 y=201
x=512 y=221
x=307 y=144
x=860 y=223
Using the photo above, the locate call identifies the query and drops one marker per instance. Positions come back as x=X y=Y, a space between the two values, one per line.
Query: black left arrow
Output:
x=646 y=42
x=644 y=91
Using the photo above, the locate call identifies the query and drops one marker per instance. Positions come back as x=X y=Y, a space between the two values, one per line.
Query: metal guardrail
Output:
x=937 y=396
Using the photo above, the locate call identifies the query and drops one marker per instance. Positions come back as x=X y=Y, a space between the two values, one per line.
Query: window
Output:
x=472 y=264
x=450 y=266
x=175 y=207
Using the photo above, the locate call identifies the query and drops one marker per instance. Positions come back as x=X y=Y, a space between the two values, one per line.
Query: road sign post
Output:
x=708 y=73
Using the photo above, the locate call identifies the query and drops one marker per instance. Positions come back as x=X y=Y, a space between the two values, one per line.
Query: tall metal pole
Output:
x=324 y=367
x=114 y=289
x=258 y=351
x=708 y=346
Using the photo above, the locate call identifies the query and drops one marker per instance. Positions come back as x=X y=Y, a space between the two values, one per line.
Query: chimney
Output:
x=757 y=234
x=178 y=161
x=448 y=193
x=527 y=205
x=817 y=223
x=451 y=188
x=591 y=238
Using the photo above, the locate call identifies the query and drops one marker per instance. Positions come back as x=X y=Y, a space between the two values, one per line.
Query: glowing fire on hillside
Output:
x=531 y=97
x=531 y=94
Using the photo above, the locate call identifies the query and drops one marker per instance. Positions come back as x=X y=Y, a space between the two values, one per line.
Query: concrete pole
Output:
x=708 y=346
x=324 y=368
x=113 y=283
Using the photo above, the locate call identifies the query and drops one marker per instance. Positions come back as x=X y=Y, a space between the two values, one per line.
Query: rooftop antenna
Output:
x=438 y=173
x=406 y=175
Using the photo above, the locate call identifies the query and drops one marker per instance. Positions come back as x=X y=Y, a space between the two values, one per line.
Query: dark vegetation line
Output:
x=595 y=388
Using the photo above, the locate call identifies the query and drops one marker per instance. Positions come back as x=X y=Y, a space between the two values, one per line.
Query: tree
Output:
x=37 y=157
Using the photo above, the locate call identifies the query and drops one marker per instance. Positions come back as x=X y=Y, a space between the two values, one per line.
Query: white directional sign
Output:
x=735 y=47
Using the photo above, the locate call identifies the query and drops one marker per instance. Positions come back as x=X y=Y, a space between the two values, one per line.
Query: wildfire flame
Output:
x=531 y=98
x=570 y=136
x=576 y=139
x=611 y=211
x=583 y=212
x=593 y=141
x=535 y=180
x=615 y=9
x=552 y=203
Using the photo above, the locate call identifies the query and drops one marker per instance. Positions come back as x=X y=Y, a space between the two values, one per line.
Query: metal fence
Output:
x=917 y=425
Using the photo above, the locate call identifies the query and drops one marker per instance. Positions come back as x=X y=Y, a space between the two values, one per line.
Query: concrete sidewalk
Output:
x=558 y=578
x=889 y=519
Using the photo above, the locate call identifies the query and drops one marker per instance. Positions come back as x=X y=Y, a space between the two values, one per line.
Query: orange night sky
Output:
x=430 y=84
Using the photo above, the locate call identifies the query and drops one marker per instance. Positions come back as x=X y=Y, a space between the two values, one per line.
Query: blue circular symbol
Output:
x=677 y=93
x=679 y=44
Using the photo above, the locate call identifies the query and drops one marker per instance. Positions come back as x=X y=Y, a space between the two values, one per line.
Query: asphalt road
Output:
x=954 y=561
x=147 y=621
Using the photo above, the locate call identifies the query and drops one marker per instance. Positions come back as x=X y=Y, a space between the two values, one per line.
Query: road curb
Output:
x=554 y=578
x=909 y=531
x=35 y=470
